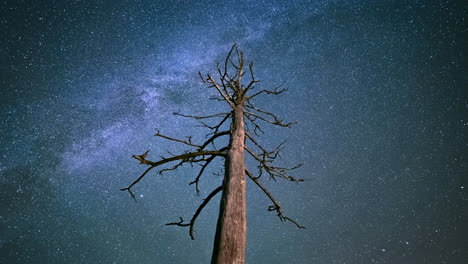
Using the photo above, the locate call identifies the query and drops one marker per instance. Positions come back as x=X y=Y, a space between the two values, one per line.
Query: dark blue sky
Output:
x=379 y=89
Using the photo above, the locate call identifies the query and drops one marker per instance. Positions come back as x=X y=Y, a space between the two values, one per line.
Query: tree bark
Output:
x=231 y=230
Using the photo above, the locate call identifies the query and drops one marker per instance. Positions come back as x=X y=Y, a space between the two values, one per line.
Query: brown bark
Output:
x=231 y=230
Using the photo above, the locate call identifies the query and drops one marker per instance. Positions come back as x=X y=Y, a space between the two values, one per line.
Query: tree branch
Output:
x=186 y=142
x=270 y=92
x=275 y=122
x=276 y=206
x=197 y=179
x=252 y=82
x=212 y=138
x=135 y=182
x=215 y=128
x=256 y=126
x=221 y=92
x=255 y=143
x=202 y=117
x=265 y=163
x=186 y=157
x=200 y=208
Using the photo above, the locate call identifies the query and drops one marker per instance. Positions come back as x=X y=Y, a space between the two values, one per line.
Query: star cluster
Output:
x=379 y=90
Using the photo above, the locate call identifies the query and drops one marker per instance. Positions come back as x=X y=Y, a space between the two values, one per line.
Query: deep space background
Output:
x=379 y=89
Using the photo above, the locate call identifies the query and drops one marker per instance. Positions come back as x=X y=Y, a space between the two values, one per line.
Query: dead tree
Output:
x=245 y=126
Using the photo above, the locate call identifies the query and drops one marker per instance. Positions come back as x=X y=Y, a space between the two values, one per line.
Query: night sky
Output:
x=379 y=88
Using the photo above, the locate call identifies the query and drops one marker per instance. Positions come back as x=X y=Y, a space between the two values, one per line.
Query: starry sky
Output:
x=379 y=90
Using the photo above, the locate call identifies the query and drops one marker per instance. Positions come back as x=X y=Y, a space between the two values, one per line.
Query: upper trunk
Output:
x=231 y=230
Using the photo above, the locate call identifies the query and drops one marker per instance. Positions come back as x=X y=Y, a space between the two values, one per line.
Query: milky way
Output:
x=379 y=90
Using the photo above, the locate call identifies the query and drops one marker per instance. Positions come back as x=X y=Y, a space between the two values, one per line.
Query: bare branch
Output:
x=215 y=98
x=218 y=126
x=186 y=157
x=208 y=161
x=225 y=78
x=275 y=122
x=276 y=206
x=240 y=56
x=276 y=91
x=252 y=82
x=215 y=128
x=255 y=142
x=256 y=126
x=135 y=182
x=228 y=58
x=202 y=117
x=201 y=77
x=221 y=92
x=186 y=142
x=212 y=138
x=265 y=163
x=197 y=179
x=200 y=208
x=255 y=156
x=251 y=73
x=175 y=167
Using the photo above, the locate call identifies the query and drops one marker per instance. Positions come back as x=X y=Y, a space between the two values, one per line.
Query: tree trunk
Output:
x=231 y=230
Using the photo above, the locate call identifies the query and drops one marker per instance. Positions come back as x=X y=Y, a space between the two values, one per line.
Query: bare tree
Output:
x=245 y=126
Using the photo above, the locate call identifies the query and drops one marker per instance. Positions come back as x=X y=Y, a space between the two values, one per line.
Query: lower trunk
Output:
x=231 y=230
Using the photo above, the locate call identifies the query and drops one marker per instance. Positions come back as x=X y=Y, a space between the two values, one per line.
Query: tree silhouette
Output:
x=245 y=126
